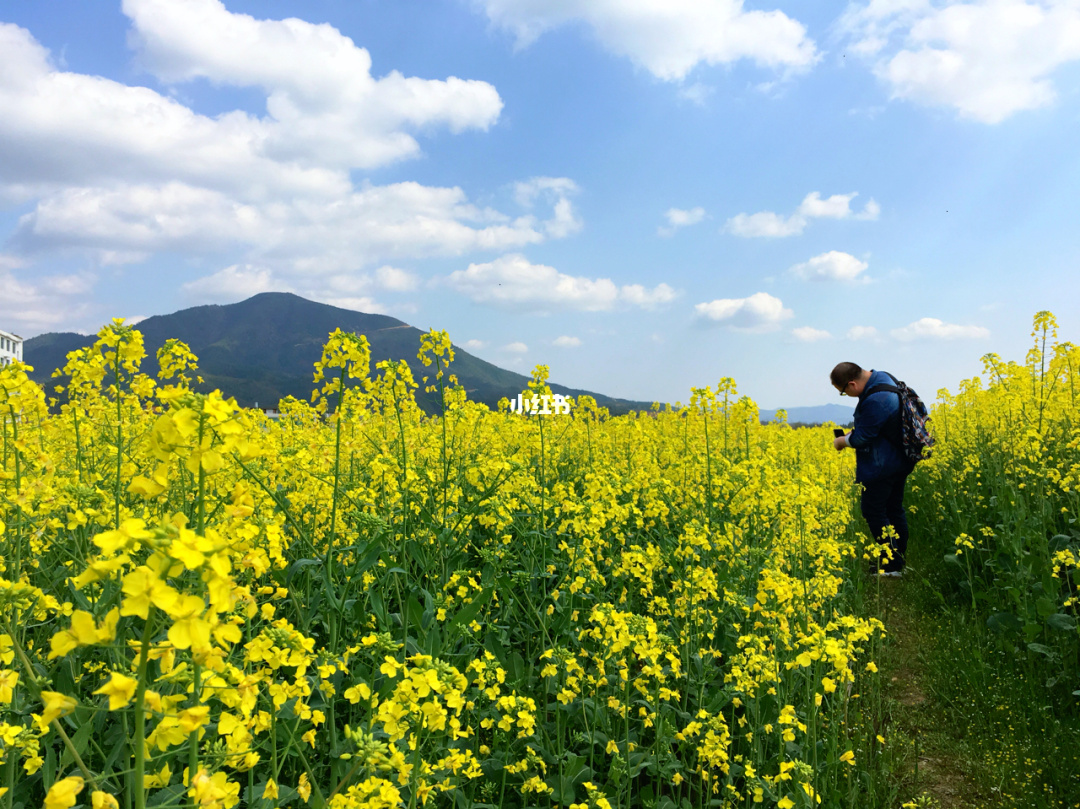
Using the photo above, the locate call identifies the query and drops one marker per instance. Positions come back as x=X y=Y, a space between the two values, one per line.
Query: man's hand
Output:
x=839 y=442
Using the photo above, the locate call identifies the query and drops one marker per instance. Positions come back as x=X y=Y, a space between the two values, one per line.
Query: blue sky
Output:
x=646 y=196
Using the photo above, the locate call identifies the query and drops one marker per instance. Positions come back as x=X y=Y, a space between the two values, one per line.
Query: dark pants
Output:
x=882 y=505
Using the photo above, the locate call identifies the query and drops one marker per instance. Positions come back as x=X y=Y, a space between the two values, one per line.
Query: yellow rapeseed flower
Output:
x=56 y=705
x=120 y=689
x=103 y=800
x=63 y=793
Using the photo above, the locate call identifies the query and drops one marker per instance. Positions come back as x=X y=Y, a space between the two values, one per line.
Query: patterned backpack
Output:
x=916 y=441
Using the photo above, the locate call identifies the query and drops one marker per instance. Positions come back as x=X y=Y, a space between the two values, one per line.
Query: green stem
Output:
x=119 y=439
x=140 y=713
x=32 y=678
x=193 y=737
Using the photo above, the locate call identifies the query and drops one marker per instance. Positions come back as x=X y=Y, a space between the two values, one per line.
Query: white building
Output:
x=10 y=348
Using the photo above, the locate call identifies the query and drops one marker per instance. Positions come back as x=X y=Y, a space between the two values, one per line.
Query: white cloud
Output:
x=516 y=348
x=678 y=218
x=767 y=224
x=118 y=258
x=669 y=38
x=59 y=128
x=65 y=285
x=838 y=206
x=357 y=304
x=870 y=212
x=122 y=172
x=637 y=295
x=233 y=283
x=831 y=266
x=346 y=290
x=474 y=345
x=373 y=223
x=394 y=280
x=323 y=104
x=986 y=59
x=758 y=313
x=44 y=304
x=512 y=281
x=565 y=341
x=526 y=191
x=325 y=112
x=808 y=334
x=858 y=333
x=557 y=190
x=696 y=93
x=930 y=328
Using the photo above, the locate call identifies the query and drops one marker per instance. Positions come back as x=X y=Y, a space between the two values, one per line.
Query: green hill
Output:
x=263 y=349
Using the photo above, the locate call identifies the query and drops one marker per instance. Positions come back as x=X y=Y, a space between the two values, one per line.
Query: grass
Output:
x=966 y=710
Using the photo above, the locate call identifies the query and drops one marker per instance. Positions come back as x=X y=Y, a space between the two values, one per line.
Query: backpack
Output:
x=915 y=440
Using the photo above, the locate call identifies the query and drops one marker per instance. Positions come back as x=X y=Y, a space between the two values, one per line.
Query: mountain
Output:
x=838 y=414
x=263 y=349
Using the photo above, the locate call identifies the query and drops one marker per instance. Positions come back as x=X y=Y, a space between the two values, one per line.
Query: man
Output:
x=880 y=464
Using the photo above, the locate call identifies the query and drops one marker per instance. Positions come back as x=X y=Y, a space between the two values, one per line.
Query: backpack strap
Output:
x=879 y=389
x=893 y=388
x=899 y=419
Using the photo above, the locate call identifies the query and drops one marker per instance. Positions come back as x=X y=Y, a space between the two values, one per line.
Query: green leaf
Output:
x=492 y=644
x=48 y=770
x=468 y=613
x=516 y=667
x=378 y=607
x=573 y=764
x=296 y=567
x=1059 y=542
x=1031 y=631
x=562 y=790
x=169 y=796
x=1004 y=622
x=1045 y=607
x=417 y=554
x=1045 y=651
x=370 y=559
x=638 y=761
x=415 y=612
x=119 y=742
x=79 y=740
x=1059 y=620
x=583 y=775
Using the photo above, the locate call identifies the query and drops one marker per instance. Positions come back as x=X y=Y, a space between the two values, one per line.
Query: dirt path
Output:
x=933 y=766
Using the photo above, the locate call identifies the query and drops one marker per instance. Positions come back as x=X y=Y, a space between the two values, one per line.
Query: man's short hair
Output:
x=843 y=373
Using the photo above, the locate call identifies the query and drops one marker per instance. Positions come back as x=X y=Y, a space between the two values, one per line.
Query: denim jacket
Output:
x=876 y=438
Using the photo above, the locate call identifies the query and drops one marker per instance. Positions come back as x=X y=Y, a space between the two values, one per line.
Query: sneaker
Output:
x=892 y=574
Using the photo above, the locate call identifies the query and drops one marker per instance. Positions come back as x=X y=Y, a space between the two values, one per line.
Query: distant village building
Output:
x=10 y=348
x=269 y=412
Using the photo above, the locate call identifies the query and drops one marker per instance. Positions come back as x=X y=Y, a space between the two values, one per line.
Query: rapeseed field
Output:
x=359 y=605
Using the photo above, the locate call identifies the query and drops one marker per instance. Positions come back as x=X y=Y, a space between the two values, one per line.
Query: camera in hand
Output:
x=837 y=432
